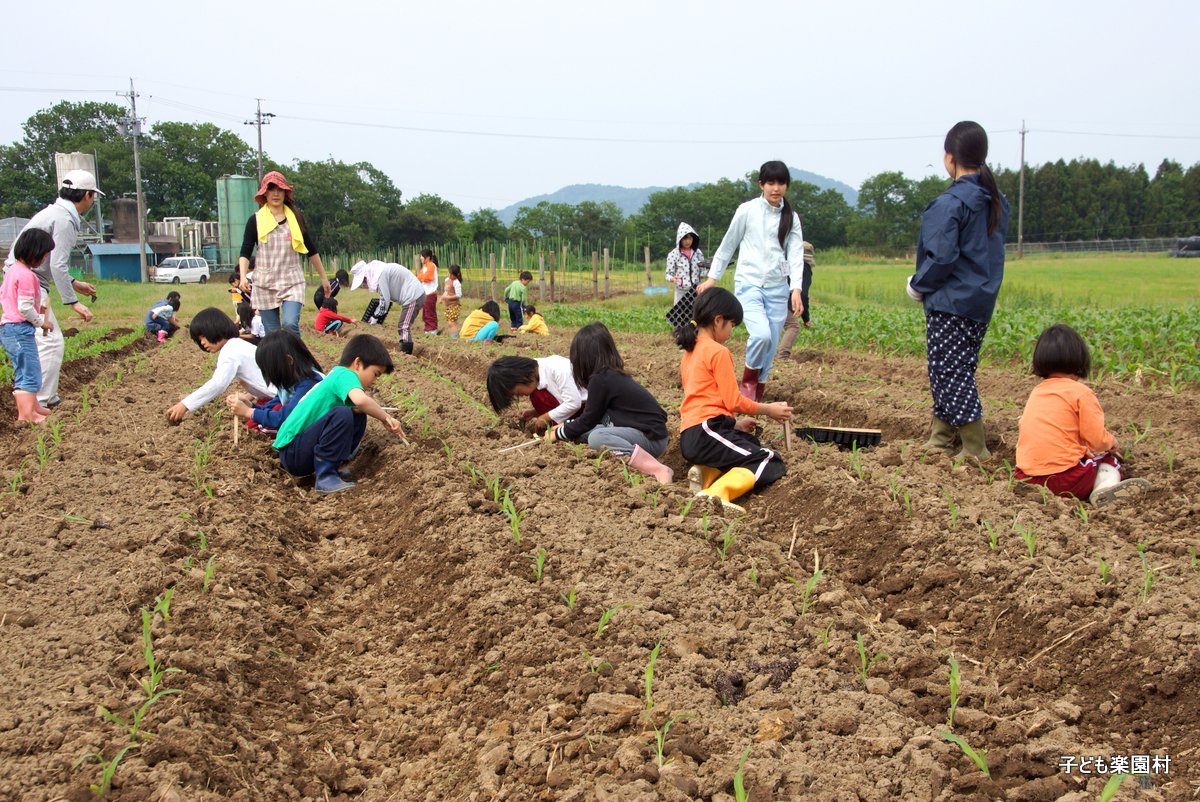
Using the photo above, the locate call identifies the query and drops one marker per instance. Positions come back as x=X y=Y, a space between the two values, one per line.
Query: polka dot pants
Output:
x=953 y=344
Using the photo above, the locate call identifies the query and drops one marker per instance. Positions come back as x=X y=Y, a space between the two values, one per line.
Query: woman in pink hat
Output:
x=278 y=232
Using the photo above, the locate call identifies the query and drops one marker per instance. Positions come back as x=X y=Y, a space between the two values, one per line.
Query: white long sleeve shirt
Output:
x=235 y=360
x=556 y=377
x=754 y=233
x=61 y=221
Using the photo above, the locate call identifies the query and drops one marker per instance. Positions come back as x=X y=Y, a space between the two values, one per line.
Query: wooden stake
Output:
x=787 y=435
x=795 y=530
x=520 y=446
x=237 y=427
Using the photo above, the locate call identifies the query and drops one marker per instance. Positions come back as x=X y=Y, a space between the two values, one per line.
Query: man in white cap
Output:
x=61 y=220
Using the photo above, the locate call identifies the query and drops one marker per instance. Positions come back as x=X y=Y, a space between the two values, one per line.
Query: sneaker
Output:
x=52 y=403
x=1121 y=490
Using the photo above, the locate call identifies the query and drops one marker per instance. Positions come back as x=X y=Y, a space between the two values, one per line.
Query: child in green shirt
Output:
x=515 y=295
x=326 y=427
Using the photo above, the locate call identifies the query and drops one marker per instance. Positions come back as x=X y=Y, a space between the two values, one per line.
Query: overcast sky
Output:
x=521 y=98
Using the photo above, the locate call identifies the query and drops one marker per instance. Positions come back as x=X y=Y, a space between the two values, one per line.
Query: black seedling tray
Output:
x=843 y=438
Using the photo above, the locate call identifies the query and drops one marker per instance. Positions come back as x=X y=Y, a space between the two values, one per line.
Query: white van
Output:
x=180 y=270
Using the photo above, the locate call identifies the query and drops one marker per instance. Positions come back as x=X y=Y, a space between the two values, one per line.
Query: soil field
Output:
x=392 y=642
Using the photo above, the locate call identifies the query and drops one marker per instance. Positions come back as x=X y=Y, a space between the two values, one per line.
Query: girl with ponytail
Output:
x=766 y=233
x=960 y=265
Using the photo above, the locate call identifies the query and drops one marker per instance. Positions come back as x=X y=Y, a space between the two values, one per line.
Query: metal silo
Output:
x=235 y=205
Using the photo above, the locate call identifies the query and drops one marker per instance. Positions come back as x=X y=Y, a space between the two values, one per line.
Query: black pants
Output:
x=717 y=444
x=330 y=438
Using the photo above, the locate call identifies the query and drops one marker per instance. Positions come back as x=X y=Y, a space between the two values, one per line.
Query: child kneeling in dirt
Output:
x=621 y=415
x=160 y=320
x=285 y=362
x=329 y=321
x=215 y=333
x=730 y=461
x=483 y=324
x=548 y=383
x=534 y=323
x=1062 y=444
x=327 y=426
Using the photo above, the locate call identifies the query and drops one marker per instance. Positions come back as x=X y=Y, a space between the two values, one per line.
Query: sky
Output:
x=487 y=103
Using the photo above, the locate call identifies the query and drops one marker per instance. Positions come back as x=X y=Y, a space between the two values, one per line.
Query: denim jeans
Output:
x=22 y=351
x=291 y=317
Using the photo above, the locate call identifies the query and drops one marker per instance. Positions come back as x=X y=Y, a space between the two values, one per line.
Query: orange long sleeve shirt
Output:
x=710 y=388
x=1061 y=423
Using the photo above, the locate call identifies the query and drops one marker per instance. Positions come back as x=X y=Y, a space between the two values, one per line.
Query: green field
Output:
x=1137 y=312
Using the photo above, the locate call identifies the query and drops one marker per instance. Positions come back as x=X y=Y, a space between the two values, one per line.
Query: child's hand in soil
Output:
x=177 y=412
x=239 y=405
x=393 y=426
x=747 y=425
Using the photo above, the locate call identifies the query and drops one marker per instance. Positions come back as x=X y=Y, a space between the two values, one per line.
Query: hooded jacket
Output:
x=959 y=265
x=682 y=271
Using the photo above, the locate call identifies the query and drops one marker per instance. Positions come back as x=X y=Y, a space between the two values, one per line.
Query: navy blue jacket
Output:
x=960 y=267
x=270 y=418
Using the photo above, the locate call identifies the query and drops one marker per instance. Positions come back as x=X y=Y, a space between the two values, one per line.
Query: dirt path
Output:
x=392 y=642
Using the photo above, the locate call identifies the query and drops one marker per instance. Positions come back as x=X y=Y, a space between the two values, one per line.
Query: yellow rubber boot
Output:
x=701 y=476
x=734 y=483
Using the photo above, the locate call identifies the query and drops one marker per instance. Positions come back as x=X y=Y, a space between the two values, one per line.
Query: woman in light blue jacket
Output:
x=766 y=233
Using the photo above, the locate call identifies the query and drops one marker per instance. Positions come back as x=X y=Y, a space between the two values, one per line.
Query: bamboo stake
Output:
x=520 y=446
x=237 y=427
x=787 y=435
x=795 y=530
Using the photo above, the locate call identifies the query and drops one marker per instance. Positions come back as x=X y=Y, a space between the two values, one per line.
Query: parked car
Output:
x=180 y=270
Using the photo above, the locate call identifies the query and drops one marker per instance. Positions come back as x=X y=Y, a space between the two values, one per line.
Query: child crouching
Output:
x=327 y=426
x=1062 y=443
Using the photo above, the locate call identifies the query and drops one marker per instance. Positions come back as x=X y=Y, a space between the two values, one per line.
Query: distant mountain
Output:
x=630 y=199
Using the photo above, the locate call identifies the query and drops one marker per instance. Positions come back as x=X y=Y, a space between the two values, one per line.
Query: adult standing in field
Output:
x=428 y=276
x=686 y=267
x=395 y=285
x=766 y=234
x=61 y=220
x=277 y=236
x=960 y=265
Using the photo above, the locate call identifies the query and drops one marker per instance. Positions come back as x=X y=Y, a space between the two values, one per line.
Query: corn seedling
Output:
x=654 y=498
x=823 y=634
x=753 y=572
x=1169 y=454
x=953 y=676
x=1103 y=572
x=993 y=535
x=514 y=518
x=134 y=727
x=493 y=485
x=632 y=478
x=43 y=452
x=449 y=452
x=1028 y=535
x=907 y=505
x=739 y=781
x=187 y=563
x=539 y=563
x=56 y=433
x=607 y=615
x=1140 y=435
x=200 y=465
x=568 y=598
x=108 y=769
x=806 y=600
x=894 y=485
x=648 y=675
x=978 y=757
x=210 y=568
x=599 y=458
x=1150 y=577
x=660 y=738
x=162 y=603
x=83 y=401
x=155 y=671
x=687 y=507
x=1192 y=561
x=865 y=663
x=856 y=460
x=1110 y=787
x=473 y=475
x=728 y=538
x=595 y=664
x=953 y=512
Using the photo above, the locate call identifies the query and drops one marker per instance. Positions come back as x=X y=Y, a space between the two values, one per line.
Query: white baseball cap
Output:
x=80 y=179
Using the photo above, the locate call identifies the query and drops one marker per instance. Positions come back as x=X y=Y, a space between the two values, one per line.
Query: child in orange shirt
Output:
x=730 y=461
x=1062 y=444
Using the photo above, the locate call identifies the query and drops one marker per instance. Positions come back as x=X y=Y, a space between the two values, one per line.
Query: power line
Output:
x=1121 y=136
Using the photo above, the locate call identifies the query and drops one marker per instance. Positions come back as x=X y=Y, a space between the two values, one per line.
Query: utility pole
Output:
x=260 y=119
x=131 y=126
x=1021 y=198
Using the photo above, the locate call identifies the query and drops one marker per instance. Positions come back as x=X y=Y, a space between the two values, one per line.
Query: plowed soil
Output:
x=392 y=643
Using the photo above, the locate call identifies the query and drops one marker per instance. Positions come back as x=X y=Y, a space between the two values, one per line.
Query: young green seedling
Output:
x=993 y=535
x=660 y=738
x=594 y=664
x=648 y=675
x=1192 y=561
x=43 y=452
x=633 y=478
x=607 y=616
x=539 y=563
x=599 y=458
x=953 y=676
x=864 y=663
x=210 y=568
x=1110 y=787
x=1028 y=535
x=514 y=518
x=1103 y=571
x=687 y=507
x=728 y=538
x=753 y=572
x=134 y=727
x=806 y=589
x=823 y=634
x=568 y=598
x=907 y=505
x=856 y=460
x=953 y=512
x=978 y=757
x=1081 y=510
x=1150 y=577
x=739 y=782
x=162 y=603
x=704 y=525
x=108 y=769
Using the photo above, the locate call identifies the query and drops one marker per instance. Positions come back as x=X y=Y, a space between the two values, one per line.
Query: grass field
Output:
x=1138 y=312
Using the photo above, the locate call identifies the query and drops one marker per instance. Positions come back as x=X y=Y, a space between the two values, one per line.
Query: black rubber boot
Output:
x=406 y=348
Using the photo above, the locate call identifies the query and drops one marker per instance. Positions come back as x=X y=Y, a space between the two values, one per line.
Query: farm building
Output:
x=118 y=260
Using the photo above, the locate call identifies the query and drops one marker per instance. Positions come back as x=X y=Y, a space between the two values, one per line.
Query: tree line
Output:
x=357 y=207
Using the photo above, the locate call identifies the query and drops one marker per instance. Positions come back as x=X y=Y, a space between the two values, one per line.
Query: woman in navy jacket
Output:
x=960 y=264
